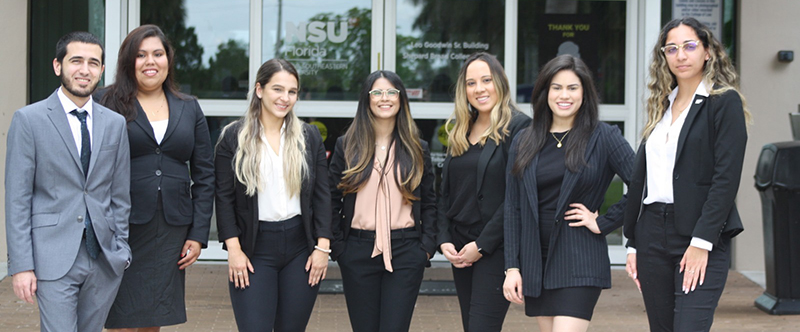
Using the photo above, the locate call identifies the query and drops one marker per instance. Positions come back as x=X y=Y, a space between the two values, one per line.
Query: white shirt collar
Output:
x=702 y=90
x=68 y=105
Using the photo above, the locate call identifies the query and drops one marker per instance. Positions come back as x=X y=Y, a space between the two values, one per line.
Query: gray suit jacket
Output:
x=47 y=195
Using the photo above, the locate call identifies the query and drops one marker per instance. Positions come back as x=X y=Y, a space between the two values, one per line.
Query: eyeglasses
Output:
x=688 y=46
x=390 y=94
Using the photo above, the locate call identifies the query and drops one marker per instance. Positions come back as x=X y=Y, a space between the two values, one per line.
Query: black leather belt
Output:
x=661 y=207
x=397 y=234
x=276 y=226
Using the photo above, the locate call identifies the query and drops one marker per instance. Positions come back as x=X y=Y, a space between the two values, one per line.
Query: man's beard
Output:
x=75 y=92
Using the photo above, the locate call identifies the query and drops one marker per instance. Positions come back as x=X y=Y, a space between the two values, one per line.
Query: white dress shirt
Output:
x=274 y=203
x=660 y=151
x=74 y=123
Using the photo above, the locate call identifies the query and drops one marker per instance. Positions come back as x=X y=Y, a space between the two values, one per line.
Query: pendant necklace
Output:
x=559 y=145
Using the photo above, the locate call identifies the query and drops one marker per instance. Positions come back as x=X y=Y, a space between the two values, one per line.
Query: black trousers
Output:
x=279 y=297
x=379 y=300
x=480 y=290
x=659 y=252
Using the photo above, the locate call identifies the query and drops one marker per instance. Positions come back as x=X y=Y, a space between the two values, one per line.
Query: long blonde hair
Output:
x=718 y=70
x=247 y=161
x=359 y=151
x=459 y=123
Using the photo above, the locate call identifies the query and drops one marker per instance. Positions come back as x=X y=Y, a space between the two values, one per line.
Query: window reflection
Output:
x=592 y=30
x=327 y=41
x=211 y=40
x=435 y=36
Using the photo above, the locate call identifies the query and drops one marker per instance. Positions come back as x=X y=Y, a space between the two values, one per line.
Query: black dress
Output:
x=576 y=302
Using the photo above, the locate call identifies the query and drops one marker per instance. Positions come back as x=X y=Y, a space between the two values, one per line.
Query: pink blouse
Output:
x=380 y=207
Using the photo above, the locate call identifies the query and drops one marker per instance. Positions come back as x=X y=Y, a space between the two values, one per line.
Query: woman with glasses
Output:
x=682 y=214
x=473 y=189
x=560 y=169
x=382 y=192
x=273 y=206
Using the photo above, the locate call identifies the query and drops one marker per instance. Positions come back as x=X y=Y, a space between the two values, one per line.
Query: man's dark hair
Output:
x=77 y=36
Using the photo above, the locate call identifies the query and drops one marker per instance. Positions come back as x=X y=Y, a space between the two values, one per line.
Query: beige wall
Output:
x=772 y=90
x=13 y=86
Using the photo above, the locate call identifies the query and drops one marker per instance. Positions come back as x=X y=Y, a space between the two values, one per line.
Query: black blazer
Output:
x=237 y=213
x=577 y=257
x=708 y=168
x=343 y=205
x=491 y=190
x=187 y=193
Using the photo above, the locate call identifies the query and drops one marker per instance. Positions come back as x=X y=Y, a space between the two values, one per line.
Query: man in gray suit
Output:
x=67 y=195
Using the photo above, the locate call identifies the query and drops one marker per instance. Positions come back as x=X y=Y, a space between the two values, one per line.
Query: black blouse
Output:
x=549 y=175
x=462 y=169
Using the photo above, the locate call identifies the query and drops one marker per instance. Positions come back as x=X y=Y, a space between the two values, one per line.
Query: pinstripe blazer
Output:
x=577 y=257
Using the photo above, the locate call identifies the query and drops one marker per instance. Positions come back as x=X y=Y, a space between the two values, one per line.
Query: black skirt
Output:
x=153 y=288
x=576 y=302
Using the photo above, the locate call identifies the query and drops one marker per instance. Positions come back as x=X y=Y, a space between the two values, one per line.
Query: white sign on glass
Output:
x=708 y=12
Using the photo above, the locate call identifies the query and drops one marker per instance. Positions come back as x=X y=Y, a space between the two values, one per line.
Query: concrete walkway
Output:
x=619 y=308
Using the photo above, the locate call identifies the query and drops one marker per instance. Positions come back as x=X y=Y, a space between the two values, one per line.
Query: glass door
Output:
x=329 y=42
x=335 y=44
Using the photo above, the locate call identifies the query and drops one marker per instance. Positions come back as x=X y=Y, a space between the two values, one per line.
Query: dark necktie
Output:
x=92 y=246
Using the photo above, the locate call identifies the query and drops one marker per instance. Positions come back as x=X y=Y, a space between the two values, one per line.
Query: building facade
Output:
x=336 y=43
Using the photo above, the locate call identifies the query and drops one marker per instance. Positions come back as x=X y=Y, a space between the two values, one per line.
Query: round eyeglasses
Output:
x=390 y=93
x=688 y=46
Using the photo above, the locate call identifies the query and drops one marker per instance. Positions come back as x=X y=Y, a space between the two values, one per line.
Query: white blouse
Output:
x=660 y=151
x=274 y=203
x=662 y=145
x=159 y=129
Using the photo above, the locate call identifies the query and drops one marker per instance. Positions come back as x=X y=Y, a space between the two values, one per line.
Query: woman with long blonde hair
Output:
x=273 y=206
x=382 y=192
x=473 y=189
x=683 y=215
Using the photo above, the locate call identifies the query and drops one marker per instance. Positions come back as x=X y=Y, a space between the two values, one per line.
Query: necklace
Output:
x=559 y=140
x=160 y=106
x=152 y=114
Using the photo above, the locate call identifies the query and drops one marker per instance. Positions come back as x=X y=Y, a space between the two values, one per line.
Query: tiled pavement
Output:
x=619 y=308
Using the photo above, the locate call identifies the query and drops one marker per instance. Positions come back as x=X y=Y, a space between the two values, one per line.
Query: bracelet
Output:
x=511 y=269
x=327 y=251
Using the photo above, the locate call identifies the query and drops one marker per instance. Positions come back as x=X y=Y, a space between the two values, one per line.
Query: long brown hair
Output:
x=359 y=140
x=533 y=139
x=121 y=96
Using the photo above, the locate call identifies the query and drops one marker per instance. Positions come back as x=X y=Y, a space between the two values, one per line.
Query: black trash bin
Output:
x=778 y=182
